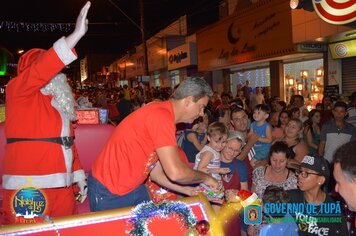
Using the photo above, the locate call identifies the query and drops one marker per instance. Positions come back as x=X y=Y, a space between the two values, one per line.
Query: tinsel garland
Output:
x=144 y=213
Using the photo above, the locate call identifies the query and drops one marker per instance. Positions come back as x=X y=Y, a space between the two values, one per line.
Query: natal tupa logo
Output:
x=29 y=204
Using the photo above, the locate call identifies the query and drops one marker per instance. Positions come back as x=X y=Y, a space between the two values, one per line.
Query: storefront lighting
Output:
x=319 y=72
x=291 y=81
x=304 y=74
x=294 y=4
x=301 y=4
x=300 y=87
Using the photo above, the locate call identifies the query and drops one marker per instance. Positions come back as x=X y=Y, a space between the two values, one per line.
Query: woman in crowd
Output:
x=279 y=107
x=295 y=113
x=278 y=130
x=297 y=148
x=276 y=173
x=312 y=176
x=326 y=112
x=223 y=115
x=236 y=179
x=312 y=131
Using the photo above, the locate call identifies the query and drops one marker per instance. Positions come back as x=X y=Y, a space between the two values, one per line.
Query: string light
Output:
x=34 y=27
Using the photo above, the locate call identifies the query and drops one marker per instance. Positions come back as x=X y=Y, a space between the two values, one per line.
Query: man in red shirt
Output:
x=145 y=144
x=39 y=111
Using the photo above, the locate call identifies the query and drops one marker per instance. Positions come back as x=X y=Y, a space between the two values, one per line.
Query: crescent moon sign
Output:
x=230 y=37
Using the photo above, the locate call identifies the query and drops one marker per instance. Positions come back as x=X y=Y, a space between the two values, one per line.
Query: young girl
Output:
x=208 y=159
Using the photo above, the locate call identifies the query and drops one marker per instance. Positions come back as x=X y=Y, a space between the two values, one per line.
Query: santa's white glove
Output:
x=83 y=191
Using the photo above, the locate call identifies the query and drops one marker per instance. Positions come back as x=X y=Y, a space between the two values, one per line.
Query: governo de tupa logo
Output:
x=252 y=207
x=29 y=204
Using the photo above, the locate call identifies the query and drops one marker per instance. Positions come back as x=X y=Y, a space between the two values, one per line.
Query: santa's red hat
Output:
x=28 y=58
x=247 y=198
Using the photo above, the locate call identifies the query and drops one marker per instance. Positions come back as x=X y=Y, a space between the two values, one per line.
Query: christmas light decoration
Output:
x=34 y=27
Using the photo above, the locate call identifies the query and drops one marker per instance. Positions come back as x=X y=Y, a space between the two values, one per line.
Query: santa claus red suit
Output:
x=39 y=150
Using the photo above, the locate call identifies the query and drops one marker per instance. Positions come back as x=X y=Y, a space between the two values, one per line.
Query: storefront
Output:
x=272 y=49
x=243 y=46
x=344 y=53
x=182 y=61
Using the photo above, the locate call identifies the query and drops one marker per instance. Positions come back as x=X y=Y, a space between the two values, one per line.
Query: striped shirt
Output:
x=335 y=137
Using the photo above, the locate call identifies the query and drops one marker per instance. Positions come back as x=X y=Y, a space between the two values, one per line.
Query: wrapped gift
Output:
x=103 y=115
x=213 y=196
x=87 y=116
x=2 y=113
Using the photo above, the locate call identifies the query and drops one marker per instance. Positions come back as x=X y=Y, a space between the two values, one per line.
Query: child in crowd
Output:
x=208 y=159
x=264 y=130
x=195 y=139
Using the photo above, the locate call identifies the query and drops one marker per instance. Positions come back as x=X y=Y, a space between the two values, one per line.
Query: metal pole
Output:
x=143 y=37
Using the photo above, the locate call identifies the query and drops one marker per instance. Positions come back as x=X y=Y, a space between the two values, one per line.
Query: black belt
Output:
x=67 y=141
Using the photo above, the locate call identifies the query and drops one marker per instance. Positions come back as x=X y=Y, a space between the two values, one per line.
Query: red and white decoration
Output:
x=337 y=12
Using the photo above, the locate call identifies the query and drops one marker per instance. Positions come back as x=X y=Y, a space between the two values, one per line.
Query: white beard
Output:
x=63 y=99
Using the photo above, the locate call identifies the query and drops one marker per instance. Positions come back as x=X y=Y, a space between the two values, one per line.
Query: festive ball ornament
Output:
x=191 y=232
x=203 y=227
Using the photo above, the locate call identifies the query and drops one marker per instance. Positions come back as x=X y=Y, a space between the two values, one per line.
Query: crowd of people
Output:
x=280 y=151
x=253 y=148
x=278 y=144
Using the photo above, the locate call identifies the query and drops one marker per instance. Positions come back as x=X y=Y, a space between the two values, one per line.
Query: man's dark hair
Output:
x=345 y=155
x=340 y=104
x=275 y=194
x=238 y=109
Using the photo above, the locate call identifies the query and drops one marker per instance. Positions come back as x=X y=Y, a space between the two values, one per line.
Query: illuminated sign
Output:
x=182 y=56
x=343 y=49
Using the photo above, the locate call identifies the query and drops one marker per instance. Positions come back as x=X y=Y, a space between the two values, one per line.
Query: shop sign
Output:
x=244 y=37
x=311 y=47
x=343 y=49
x=182 y=56
x=335 y=11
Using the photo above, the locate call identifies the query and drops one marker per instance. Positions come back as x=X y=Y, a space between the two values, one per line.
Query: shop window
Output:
x=306 y=79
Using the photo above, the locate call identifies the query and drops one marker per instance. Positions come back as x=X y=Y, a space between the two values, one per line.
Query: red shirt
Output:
x=153 y=187
x=129 y=155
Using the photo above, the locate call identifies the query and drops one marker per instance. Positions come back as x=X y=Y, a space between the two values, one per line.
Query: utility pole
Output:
x=143 y=37
x=141 y=27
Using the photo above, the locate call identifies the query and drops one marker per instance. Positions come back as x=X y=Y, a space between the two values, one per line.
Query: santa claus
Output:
x=39 y=111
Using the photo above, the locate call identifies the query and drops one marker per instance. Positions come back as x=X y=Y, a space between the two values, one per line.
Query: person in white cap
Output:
x=39 y=111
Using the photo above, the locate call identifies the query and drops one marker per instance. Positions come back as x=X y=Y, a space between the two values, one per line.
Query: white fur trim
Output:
x=251 y=199
x=79 y=175
x=63 y=51
x=39 y=181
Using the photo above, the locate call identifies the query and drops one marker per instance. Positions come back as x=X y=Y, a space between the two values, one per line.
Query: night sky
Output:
x=109 y=30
